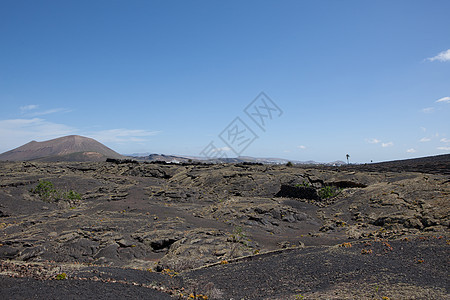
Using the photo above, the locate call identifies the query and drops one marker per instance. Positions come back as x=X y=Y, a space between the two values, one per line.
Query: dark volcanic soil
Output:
x=227 y=231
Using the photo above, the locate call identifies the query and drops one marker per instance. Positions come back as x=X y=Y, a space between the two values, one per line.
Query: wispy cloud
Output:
x=445 y=140
x=424 y=140
x=48 y=112
x=301 y=147
x=15 y=132
x=123 y=135
x=443 y=56
x=29 y=107
x=373 y=141
x=377 y=141
x=31 y=110
x=444 y=148
x=444 y=100
x=428 y=110
x=411 y=150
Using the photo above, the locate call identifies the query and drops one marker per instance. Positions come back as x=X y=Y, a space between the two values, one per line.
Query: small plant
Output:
x=303 y=184
x=198 y=296
x=289 y=164
x=329 y=192
x=169 y=272
x=388 y=246
x=366 y=251
x=239 y=240
x=71 y=195
x=239 y=235
x=47 y=192
x=61 y=276
x=346 y=245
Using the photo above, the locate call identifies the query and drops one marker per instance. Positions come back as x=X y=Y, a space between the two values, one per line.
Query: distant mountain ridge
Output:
x=67 y=148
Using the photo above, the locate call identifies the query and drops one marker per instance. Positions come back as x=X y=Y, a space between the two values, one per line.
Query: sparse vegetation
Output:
x=48 y=193
x=61 y=276
x=239 y=239
x=169 y=272
x=239 y=236
x=72 y=195
x=366 y=251
x=329 y=192
x=305 y=184
x=45 y=190
x=289 y=164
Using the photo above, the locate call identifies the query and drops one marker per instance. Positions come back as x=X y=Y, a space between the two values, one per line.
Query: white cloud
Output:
x=31 y=110
x=16 y=132
x=428 y=110
x=373 y=141
x=423 y=129
x=412 y=150
x=48 y=112
x=425 y=139
x=443 y=99
x=445 y=140
x=301 y=147
x=443 y=56
x=28 y=107
x=377 y=141
x=122 y=135
x=444 y=148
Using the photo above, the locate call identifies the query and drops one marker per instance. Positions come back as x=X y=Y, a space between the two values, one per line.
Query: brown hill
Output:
x=67 y=148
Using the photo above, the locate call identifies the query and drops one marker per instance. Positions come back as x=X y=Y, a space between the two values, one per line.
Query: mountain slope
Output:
x=67 y=148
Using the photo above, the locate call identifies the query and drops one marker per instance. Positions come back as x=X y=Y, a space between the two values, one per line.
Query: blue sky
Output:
x=367 y=78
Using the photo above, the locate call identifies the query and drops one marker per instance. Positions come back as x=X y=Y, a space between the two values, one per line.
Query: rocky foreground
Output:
x=231 y=231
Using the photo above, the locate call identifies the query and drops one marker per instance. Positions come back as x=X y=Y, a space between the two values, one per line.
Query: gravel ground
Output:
x=30 y=288
x=402 y=269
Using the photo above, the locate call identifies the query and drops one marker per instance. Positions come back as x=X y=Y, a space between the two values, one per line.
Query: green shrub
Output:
x=329 y=192
x=47 y=192
x=61 y=276
x=72 y=195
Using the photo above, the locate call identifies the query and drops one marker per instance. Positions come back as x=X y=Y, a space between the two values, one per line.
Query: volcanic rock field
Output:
x=223 y=231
